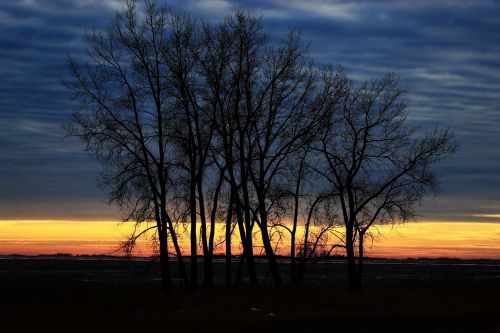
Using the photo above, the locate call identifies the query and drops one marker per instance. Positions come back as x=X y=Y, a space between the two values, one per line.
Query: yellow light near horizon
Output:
x=492 y=216
x=439 y=239
x=421 y=239
x=48 y=236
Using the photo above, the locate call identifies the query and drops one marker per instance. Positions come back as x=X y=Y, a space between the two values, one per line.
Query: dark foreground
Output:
x=102 y=295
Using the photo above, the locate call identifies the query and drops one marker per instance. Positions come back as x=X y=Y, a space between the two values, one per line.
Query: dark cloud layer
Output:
x=447 y=54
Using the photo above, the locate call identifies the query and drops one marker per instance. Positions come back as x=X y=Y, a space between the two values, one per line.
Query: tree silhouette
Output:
x=378 y=165
x=124 y=117
x=204 y=123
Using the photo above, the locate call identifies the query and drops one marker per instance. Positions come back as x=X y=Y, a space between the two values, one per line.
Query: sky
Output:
x=412 y=240
x=447 y=54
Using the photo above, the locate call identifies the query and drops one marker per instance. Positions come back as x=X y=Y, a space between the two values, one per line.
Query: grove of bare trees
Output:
x=203 y=127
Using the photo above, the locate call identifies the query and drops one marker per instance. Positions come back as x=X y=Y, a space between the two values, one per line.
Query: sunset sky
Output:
x=447 y=54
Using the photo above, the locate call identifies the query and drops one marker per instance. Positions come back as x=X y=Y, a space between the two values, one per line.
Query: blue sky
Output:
x=447 y=54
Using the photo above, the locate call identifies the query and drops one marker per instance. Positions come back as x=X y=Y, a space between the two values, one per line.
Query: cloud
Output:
x=337 y=10
x=447 y=54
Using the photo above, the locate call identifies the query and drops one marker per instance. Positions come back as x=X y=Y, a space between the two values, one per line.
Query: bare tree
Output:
x=192 y=135
x=221 y=72
x=297 y=193
x=276 y=116
x=124 y=115
x=305 y=192
x=260 y=100
x=379 y=166
x=200 y=123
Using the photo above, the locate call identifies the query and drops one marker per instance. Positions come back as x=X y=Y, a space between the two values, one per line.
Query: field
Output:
x=101 y=294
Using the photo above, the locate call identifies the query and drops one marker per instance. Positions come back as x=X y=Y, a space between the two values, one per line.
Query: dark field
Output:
x=88 y=294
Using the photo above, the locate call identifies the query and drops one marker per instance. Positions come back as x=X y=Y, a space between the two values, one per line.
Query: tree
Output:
x=378 y=165
x=124 y=116
x=199 y=123
x=261 y=101
x=222 y=72
x=277 y=115
x=305 y=192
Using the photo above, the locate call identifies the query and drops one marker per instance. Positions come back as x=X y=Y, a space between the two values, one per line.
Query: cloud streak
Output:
x=447 y=54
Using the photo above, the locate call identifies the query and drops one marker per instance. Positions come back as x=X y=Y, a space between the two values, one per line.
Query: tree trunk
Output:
x=293 y=262
x=246 y=241
x=228 y=242
x=207 y=251
x=166 y=282
x=271 y=258
x=247 y=247
x=194 y=244
x=305 y=249
x=351 y=260
x=180 y=259
x=252 y=272
x=360 y=258
x=239 y=272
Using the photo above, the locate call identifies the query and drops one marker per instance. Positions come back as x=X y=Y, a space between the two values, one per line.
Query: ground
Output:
x=111 y=295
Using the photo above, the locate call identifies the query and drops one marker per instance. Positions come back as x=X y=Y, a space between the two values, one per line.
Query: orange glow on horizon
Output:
x=422 y=239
